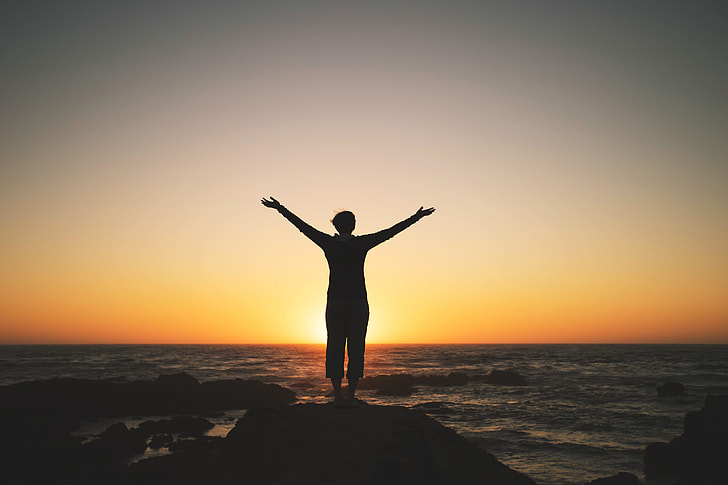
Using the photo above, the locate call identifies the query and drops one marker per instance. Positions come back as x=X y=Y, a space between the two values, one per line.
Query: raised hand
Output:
x=424 y=212
x=272 y=203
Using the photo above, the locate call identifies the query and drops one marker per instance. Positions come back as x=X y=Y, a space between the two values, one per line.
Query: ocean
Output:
x=587 y=412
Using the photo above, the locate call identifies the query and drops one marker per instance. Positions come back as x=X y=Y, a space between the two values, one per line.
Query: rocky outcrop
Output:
x=390 y=385
x=174 y=394
x=37 y=418
x=433 y=407
x=404 y=384
x=505 y=378
x=370 y=444
x=302 y=444
x=273 y=443
x=116 y=443
x=698 y=456
x=186 y=426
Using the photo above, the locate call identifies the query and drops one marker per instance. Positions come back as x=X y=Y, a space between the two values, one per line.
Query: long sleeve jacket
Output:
x=345 y=254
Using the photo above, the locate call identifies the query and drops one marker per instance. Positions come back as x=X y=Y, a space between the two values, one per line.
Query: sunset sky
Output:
x=576 y=152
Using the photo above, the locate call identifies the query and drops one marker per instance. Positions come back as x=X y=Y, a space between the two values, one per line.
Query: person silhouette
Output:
x=347 y=307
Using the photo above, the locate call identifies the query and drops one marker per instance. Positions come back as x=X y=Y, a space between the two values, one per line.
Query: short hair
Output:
x=344 y=222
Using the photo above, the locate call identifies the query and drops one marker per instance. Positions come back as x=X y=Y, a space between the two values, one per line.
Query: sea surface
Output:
x=587 y=412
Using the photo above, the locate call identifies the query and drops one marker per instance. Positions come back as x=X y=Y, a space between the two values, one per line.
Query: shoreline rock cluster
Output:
x=37 y=419
x=700 y=454
x=405 y=384
x=273 y=443
x=171 y=394
x=279 y=443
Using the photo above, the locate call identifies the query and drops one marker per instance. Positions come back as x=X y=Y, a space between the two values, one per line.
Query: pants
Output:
x=346 y=326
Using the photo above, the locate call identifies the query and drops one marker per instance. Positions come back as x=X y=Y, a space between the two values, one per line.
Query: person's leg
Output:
x=338 y=398
x=353 y=381
x=357 y=331
x=335 y=343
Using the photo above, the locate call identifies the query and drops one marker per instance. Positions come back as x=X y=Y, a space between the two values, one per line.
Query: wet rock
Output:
x=659 y=460
x=621 y=478
x=370 y=444
x=505 y=378
x=38 y=451
x=433 y=408
x=180 y=382
x=161 y=441
x=244 y=394
x=198 y=446
x=452 y=379
x=699 y=454
x=183 y=425
x=389 y=385
x=117 y=442
x=175 y=394
x=671 y=389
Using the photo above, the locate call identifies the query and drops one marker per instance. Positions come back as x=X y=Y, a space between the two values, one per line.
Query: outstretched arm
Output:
x=381 y=236
x=309 y=231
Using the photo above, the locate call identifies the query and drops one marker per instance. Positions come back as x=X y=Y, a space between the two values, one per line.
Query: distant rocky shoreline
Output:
x=279 y=443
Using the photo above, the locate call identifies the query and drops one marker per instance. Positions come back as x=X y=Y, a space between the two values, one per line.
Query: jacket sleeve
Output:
x=318 y=237
x=381 y=236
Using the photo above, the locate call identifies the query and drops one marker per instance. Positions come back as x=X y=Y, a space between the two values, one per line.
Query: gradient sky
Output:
x=576 y=152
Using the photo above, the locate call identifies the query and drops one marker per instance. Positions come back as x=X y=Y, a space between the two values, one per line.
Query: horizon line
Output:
x=368 y=344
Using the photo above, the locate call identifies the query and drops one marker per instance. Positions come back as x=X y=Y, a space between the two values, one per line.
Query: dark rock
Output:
x=180 y=382
x=370 y=444
x=198 y=446
x=433 y=408
x=302 y=385
x=161 y=441
x=671 y=389
x=389 y=385
x=194 y=462
x=452 y=379
x=699 y=454
x=38 y=451
x=621 y=478
x=505 y=378
x=117 y=442
x=303 y=444
x=184 y=425
x=403 y=384
x=659 y=460
x=37 y=416
x=65 y=398
x=244 y=394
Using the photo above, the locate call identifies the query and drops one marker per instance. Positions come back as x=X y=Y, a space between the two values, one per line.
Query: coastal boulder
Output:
x=452 y=379
x=389 y=385
x=314 y=444
x=183 y=425
x=699 y=454
x=180 y=382
x=243 y=394
x=659 y=460
x=433 y=407
x=117 y=442
x=169 y=395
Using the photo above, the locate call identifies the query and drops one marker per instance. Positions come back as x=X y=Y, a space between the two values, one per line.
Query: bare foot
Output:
x=352 y=402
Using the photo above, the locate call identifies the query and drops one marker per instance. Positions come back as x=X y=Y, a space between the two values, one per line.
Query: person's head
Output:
x=344 y=222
